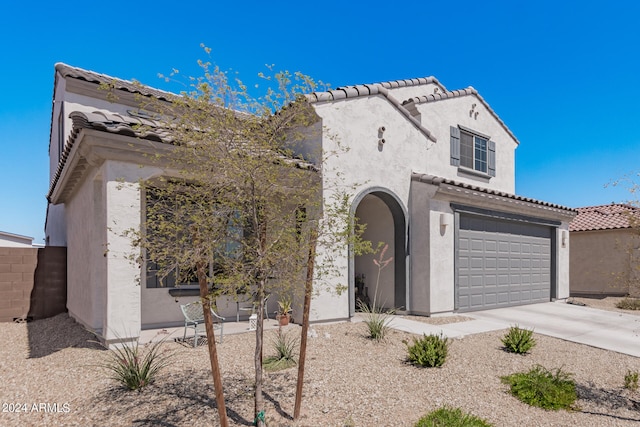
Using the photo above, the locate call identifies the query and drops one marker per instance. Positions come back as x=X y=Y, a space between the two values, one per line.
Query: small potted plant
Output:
x=284 y=311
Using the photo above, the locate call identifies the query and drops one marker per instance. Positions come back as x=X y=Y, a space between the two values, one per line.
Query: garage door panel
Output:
x=476 y=263
x=477 y=301
x=502 y=263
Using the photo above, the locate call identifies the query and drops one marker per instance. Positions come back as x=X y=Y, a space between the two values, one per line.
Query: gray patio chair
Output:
x=194 y=318
x=249 y=305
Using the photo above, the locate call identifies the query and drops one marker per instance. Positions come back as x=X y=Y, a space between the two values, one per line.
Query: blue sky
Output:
x=564 y=76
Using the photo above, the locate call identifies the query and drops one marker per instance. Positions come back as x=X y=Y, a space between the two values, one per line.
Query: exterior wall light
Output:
x=445 y=220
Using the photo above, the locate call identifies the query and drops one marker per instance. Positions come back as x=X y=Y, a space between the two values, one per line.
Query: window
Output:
x=176 y=207
x=473 y=151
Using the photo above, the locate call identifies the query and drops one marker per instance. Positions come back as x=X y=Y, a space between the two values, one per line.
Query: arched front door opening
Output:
x=386 y=222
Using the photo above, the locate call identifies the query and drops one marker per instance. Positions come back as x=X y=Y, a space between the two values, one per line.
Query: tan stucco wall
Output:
x=601 y=262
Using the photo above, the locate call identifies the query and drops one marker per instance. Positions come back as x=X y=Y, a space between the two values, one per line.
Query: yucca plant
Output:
x=135 y=367
x=518 y=340
x=285 y=347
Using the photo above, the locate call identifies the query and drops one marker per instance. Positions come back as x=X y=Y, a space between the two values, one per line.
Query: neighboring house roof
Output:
x=126 y=85
x=15 y=236
x=604 y=217
x=11 y=239
x=356 y=91
x=461 y=186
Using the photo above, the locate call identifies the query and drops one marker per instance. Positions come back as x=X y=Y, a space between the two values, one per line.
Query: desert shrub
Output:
x=450 y=417
x=135 y=367
x=376 y=320
x=631 y=380
x=629 y=304
x=543 y=388
x=285 y=347
x=429 y=351
x=518 y=340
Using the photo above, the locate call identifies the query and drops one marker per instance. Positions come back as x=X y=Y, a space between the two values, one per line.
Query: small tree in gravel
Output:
x=236 y=204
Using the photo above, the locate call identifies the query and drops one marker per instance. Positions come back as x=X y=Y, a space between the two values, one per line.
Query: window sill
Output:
x=185 y=291
x=472 y=173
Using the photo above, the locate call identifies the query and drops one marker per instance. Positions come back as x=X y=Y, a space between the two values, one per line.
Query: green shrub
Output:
x=629 y=304
x=135 y=368
x=285 y=347
x=450 y=417
x=543 y=388
x=429 y=351
x=376 y=320
x=631 y=380
x=518 y=340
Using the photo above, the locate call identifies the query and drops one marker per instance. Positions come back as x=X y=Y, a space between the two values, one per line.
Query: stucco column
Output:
x=122 y=315
x=562 y=262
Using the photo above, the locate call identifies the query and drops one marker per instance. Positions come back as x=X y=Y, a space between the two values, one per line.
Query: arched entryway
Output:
x=385 y=218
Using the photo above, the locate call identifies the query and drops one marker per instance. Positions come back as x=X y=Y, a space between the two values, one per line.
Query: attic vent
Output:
x=411 y=108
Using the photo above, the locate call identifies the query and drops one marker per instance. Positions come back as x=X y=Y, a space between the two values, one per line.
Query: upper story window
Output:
x=473 y=151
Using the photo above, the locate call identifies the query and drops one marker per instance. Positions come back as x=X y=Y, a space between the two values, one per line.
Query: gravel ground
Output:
x=350 y=381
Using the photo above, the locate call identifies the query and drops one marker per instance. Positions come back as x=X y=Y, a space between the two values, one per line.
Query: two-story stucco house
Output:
x=433 y=176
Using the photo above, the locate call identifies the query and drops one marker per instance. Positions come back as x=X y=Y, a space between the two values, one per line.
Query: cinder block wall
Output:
x=17 y=267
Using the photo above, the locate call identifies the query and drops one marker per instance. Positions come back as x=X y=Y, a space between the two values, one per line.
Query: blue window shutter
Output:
x=491 y=148
x=455 y=146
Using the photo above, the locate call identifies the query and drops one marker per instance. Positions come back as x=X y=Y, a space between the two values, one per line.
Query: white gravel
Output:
x=350 y=380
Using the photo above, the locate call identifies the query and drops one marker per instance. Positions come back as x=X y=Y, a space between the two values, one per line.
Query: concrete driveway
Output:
x=609 y=330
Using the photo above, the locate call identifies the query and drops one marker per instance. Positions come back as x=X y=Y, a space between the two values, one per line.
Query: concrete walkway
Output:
x=608 y=330
x=230 y=328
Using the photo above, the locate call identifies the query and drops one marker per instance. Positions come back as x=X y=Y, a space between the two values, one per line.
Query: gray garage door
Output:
x=501 y=263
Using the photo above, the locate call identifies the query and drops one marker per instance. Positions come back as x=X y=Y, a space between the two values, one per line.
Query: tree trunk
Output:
x=259 y=398
x=211 y=342
x=308 y=289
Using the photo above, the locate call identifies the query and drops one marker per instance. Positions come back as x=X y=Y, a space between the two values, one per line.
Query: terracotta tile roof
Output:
x=604 y=217
x=444 y=182
x=126 y=85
